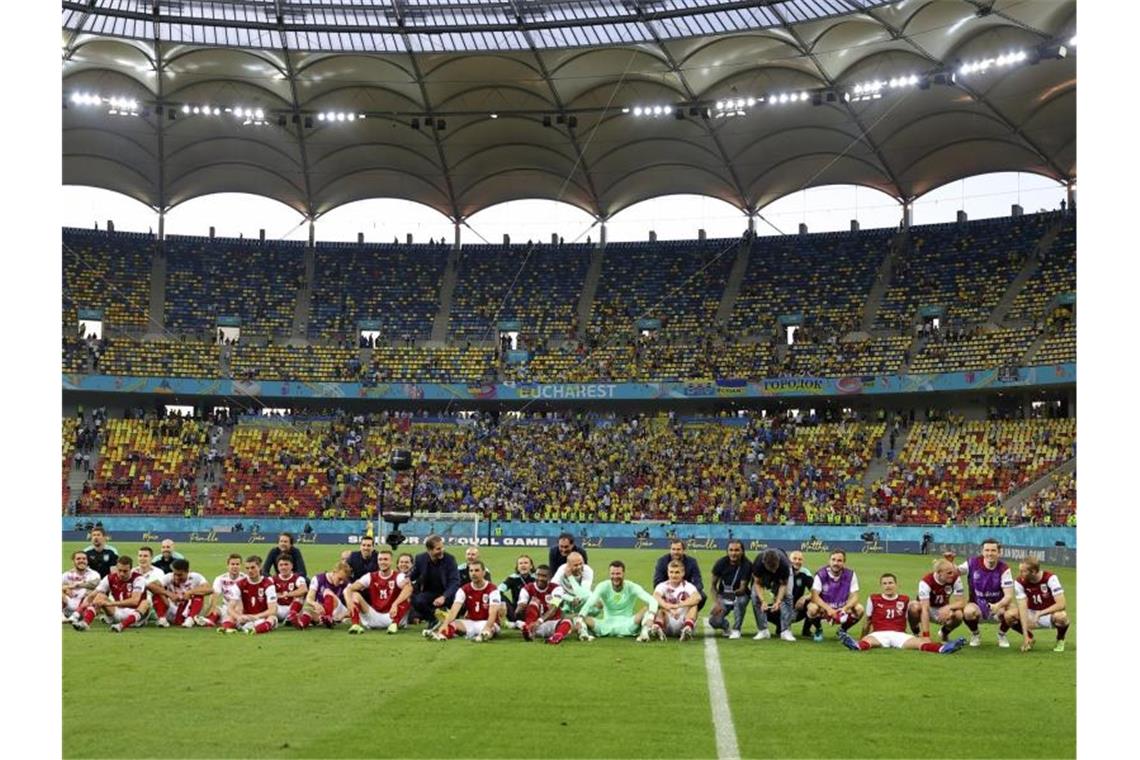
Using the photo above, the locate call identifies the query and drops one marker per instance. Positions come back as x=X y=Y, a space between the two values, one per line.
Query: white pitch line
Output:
x=726 y=747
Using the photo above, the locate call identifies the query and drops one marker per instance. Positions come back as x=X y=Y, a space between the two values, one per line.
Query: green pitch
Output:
x=320 y=693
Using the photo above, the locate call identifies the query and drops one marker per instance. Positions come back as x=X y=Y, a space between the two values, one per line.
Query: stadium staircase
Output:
x=1015 y=500
x=446 y=296
x=157 y=296
x=590 y=289
x=735 y=278
x=303 y=306
x=76 y=478
x=997 y=316
x=1030 y=354
x=899 y=244
x=877 y=469
x=223 y=446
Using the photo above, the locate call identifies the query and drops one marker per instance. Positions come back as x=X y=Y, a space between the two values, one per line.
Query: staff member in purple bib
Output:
x=991 y=590
x=835 y=595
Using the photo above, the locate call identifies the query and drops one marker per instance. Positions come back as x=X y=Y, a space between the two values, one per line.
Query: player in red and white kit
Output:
x=941 y=598
x=885 y=625
x=256 y=612
x=291 y=589
x=179 y=596
x=479 y=601
x=677 y=600
x=117 y=596
x=379 y=599
x=539 y=611
x=78 y=583
x=226 y=593
x=1040 y=604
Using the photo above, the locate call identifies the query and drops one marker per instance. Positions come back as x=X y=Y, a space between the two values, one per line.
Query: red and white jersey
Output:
x=118 y=588
x=888 y=614
x=938 y=594
x=287 y=585
x=229 y=587
x=1041 y=595
x=255 y=597
x=542 y=598
x=676 y=594
x=476 y=601
x=89 y=576
x=382 y=589
x=193 y=580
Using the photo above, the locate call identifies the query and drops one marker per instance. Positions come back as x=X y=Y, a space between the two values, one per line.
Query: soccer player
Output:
x=886 y=624
x=991 y=590
x=677 y=601
x=256 y=610
x=512 y=587
x=471 y=554
x=692 y=569
x=149 y=573
x=325 y=599
x=773 y=572
x=479 y=600
x=78 y=582
x=387 y=602
x=617 y=598
x=574 y=581
x=118 y=596
x=1040 y=604
x=226 y=594
x=835 y=595
x=939 y=598
x=538 y=610
x=101 y=556
x=731 y=575
x=179 y=597
x=291 y=589
x=166 y=555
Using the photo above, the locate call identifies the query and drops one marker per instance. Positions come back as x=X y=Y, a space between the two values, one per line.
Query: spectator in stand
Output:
x=284 y=544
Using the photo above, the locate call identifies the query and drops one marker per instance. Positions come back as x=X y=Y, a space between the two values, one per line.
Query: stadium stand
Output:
x=160 y=358
x=257 y=283
x=1056 y=274
x=108 y=271
x=294 y=363
x=1055 y=504
x=982 y=350
x=450 y=364
x=1058 y=347
x=395 y=285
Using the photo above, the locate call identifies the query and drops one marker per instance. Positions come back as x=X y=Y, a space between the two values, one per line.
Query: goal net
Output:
x=454 y=527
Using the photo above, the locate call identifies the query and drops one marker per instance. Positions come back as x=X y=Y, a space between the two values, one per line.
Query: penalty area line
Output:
x=726 y=747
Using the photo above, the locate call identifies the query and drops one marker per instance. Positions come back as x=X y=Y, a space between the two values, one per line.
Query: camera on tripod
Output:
x=399 y=461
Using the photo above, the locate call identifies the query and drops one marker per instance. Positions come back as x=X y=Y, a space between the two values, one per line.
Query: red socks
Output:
x=930 y=646
x=401 y=611
x=563 y=628
x=88 y=615
x=531 y=614
x=130 y=619
x=449 y=631
x=689 y=624
x=329 y=603
x=265 y=626
x=229 y=625
x=356 y=616
x=304 y=620
x=160 y=606
x=865 y=645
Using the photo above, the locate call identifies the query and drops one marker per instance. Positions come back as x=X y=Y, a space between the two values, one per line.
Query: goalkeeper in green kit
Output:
x=617 y=597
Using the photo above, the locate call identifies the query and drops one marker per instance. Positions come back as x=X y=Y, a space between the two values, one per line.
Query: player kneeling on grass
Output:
x=226 y=594
x=480 y=602
x=325 y=600
x=835 y=595
x=991 y=590
x=78 y=583
x=617 y=597
x=940 y=598
x=1040 y=604
x=886 y=624
x=117 y=596
x=386 y=605
x=291 y=589
x=677 y=601
x=178 y=598
x=256 y=610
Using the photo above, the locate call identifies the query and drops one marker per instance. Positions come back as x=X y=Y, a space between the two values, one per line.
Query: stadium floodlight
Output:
x=217 y=111
x=1073 y=41
x=637 y=111
x=351 y=117
x=185 y=108
x=76 y=98
x=340 y=117
x=321 y=116
x=657 y=110
x=625 y=110
x=493 y=116
x=751 y=102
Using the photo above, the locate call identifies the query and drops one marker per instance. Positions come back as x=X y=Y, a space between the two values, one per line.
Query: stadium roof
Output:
x=469 y=103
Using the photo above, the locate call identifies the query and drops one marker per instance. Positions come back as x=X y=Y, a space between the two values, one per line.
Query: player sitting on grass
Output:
x=291 y=589
x=226 y=593
x=617 y=597
x=677 y=601
x=179 y=596
x=480 y=601
x=835 y=595
x=940 y=599
x=387 y=602
x=78 y=582
x=325 y=600
x=538 y=609
x=256 y=610
x=117 y=596
x=886 y=624
x=1040 y=604
x=991 y=590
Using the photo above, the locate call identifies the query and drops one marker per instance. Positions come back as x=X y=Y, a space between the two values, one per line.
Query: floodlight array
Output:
x=338 y=116
x=116 y=106
x=650 y=112
x=985 y=64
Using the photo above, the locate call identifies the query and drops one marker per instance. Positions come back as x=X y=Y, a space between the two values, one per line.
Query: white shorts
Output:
x=119 y=614
x=370 y=618
x=283 y=612
x=890 y=639
x=472 y=628
x=1040 y=621
x=72 y=604
x=673 y=625
x=546 y=630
